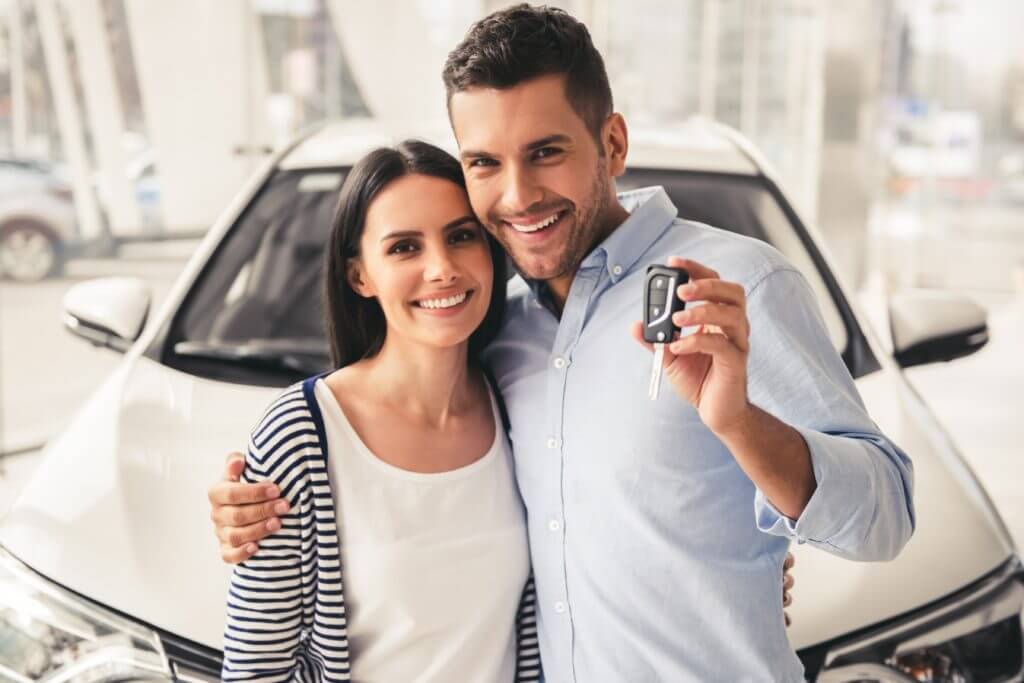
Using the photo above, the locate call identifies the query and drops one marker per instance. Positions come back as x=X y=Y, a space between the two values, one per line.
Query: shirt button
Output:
x=559 y=606
x=559 y=363
x=554 y=443
x=554 y=525
x=617 y=270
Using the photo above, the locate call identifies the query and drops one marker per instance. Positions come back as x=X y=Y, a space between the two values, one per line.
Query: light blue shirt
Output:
x=655 y=557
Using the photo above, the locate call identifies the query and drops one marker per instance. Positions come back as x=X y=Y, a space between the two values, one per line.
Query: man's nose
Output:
x=521 y=191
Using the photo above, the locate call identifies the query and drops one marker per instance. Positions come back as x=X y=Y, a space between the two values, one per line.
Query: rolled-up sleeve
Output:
x=862 y=508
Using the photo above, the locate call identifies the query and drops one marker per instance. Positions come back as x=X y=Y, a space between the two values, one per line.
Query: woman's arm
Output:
x=264 y=635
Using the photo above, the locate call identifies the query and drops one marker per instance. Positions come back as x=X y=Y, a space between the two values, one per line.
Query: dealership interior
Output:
x=879 y=145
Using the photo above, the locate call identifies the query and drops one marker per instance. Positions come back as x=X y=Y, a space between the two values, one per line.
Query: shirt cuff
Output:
x=843 y=478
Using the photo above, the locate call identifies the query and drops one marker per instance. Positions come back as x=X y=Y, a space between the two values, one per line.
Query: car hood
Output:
x=117 y=509
x=957 y=539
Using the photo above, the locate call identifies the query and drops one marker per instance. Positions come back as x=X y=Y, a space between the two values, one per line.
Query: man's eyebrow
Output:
x=400 y=234
x=473 y=154
x=557 y=138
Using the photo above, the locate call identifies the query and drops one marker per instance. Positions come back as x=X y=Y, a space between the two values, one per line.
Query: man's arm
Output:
x=862 y=505
x=824 y=472
x=775 y=457
x=243 y=514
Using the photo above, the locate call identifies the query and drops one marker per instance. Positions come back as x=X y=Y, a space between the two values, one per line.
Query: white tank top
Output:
x=433 y=565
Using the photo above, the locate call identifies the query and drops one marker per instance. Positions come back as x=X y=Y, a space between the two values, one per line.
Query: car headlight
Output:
x=971 y=637
x=49 y=633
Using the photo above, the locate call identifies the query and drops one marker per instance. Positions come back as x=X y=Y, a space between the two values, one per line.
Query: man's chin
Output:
x=539 y=271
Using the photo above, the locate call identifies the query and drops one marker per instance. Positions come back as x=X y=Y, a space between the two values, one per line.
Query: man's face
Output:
x=535 y=176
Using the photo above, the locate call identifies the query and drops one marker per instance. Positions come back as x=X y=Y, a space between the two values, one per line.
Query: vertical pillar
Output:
x=382 y=54
x=106 y=117
x=69 y=119
x=19 y=118
x=749 y=90
x=202 y=79
x=708 y=58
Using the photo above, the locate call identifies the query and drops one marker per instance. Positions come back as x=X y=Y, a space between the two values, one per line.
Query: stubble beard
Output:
x=586 y=233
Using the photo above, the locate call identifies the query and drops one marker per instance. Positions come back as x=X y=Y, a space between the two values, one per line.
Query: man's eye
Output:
x=482 y=162
x=546 y=152
x=404 y=247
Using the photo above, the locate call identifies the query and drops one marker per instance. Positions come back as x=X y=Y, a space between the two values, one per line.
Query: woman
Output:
x=405 y=556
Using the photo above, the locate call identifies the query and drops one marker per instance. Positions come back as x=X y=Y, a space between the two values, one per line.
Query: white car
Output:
x=109 y=568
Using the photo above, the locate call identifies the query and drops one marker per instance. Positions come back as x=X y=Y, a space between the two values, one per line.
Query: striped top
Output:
x=286 y=606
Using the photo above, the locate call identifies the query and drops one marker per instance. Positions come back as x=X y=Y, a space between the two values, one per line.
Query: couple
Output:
x=657 y=530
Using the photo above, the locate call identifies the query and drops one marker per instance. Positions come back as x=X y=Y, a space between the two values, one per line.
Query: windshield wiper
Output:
x=257 y=357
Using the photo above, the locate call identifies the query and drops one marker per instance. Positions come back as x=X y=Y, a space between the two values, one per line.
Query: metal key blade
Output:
x=659 y=358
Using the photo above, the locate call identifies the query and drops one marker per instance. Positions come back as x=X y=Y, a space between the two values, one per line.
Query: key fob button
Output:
x=657 y=297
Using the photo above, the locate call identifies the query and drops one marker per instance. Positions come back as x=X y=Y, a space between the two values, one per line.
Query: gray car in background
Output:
x=37 y=220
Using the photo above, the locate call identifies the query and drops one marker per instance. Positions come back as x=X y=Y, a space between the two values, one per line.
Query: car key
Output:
x=660 y=303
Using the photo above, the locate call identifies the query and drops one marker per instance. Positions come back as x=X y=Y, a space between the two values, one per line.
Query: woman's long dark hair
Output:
x=355 y=324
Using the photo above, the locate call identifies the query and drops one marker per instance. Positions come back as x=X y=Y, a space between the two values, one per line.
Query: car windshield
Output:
x=255 y=314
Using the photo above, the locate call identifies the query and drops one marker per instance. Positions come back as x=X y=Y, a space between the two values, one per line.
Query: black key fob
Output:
x=661 y=301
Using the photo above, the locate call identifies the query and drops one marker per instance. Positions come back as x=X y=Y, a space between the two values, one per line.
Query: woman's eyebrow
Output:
x=398 y=234
x=468 y=218
x=401 y=233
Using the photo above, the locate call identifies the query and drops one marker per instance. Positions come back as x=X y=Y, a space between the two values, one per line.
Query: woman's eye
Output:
x=464 y=235
x=402 y=248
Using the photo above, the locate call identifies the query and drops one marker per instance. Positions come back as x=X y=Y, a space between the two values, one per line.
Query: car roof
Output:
x=696 y=144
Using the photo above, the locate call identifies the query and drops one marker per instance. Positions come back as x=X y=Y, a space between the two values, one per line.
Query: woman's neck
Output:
x=428 y=384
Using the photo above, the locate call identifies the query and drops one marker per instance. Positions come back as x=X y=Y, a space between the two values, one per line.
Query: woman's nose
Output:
x=440 y=267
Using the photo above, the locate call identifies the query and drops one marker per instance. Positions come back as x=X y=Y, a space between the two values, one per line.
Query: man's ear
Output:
x=615 y=138
x=356 y=277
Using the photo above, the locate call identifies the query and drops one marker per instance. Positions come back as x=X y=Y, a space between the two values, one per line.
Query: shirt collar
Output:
x=650 y=213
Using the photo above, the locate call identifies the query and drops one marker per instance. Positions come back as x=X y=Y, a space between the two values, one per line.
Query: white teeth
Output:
x=447 y=302
x=536 y=226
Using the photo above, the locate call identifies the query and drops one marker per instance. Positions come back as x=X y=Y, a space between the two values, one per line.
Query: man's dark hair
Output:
x=522 y=42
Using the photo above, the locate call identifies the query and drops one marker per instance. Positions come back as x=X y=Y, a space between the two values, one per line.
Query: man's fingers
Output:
x=243 y=515
x=238 y=536
x=731 y=320
x=231 y=493
x=697 y=271
x=232 y=555
x=789 y=563
x=788 y=620
x=711 y=344
x=718 y=291
x=233 y=466
x=787 y=582
x=787 y=599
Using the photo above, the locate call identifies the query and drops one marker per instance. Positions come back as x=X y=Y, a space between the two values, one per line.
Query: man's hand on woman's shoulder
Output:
x=243 y=514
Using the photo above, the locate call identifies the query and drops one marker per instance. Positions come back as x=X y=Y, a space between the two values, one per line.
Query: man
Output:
x=657 y=528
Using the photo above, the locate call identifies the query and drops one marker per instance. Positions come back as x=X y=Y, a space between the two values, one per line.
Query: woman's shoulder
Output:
x=289 y=422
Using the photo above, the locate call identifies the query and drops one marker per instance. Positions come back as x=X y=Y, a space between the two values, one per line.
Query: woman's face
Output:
x=426 y=260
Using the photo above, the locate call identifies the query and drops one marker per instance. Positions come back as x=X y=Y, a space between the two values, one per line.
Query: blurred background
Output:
x=127 y=126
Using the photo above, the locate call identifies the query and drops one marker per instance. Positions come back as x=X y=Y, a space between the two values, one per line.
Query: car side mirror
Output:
x=109 y=312
x=928 y=327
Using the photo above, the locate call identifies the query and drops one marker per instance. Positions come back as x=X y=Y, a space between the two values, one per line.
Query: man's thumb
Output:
x=234 y=466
